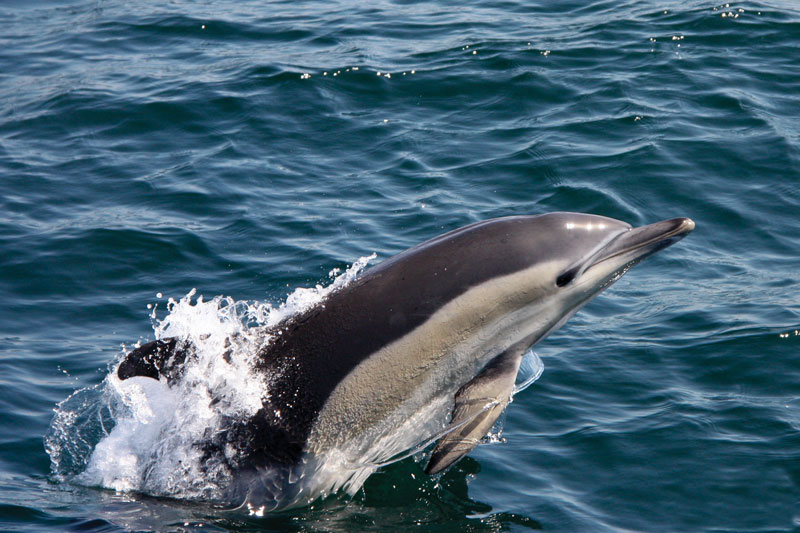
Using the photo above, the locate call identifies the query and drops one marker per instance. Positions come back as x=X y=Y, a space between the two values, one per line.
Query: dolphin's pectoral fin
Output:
x=155 y=359
x=478 y=405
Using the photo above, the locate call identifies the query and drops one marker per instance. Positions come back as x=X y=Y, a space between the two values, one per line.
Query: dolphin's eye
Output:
x=566 y=276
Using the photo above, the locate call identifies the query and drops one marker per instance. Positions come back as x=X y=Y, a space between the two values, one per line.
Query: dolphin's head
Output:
x=541 y=269
x=596 y=249
x=575 y=256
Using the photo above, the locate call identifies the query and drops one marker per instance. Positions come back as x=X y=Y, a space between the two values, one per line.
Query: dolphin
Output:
x=431 y=338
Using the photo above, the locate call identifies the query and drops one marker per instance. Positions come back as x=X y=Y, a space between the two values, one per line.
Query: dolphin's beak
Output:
x=638 y=243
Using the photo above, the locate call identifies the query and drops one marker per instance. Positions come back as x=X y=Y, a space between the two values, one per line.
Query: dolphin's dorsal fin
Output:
x=478 y=404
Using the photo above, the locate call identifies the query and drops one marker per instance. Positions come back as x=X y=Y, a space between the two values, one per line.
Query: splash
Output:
x=141 y=434
x=151 y=436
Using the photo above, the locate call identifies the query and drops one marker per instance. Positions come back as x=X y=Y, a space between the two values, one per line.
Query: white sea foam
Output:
x=141 y=434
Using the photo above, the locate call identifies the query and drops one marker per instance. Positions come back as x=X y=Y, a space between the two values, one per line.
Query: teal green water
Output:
x=157 y=147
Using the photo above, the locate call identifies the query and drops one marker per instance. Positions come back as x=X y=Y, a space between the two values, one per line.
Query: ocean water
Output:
x=248 y=149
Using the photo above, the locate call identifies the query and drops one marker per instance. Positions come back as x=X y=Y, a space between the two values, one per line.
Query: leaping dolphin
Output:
x=435 y=333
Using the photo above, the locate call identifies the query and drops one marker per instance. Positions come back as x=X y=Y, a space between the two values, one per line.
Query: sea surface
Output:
x=255 y=150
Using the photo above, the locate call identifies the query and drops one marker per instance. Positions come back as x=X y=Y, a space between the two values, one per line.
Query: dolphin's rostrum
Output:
x=431 y=336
